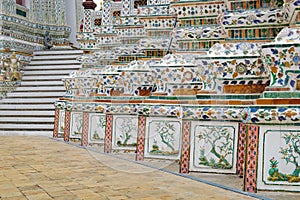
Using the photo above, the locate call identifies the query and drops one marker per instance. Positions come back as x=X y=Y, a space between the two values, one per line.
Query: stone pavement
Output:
x=43 y=168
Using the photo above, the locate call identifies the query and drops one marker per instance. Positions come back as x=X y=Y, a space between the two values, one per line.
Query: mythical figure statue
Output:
x=15 y=64
x=48 y=40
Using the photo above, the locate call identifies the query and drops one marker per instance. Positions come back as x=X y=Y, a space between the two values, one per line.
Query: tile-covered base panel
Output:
x=97 y=123
x=213 y=147
x=76 y=125
x=163 y=138
x=61 y=122
x=125 y=130
x=279 y=158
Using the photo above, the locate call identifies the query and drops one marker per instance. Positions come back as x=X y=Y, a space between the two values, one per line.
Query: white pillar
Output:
x=71 y=16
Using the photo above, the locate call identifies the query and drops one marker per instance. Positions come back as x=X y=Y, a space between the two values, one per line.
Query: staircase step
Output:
x=27 y=107
x=57 y=52
x=54 y=62
x=41 y=83
x=43 y=77
x=26 y=126
x=29 y=110
x=35 y=94
x=50 y=67
x=27 y=119
x=26 y=113
x=47 y=72
x=56 y=57
x=36 y=88
x=48 y=133
x=28 y=100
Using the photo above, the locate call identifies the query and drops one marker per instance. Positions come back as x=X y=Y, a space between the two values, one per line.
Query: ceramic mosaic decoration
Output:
x=213 y=84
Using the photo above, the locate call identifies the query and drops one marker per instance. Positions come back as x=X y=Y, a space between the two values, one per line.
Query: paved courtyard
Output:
x=42 y=168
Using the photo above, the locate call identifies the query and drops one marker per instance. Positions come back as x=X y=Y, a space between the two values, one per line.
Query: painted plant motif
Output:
x=77 y=124
x=221 y=147
x=101 y=123
x=127 y=130
x=290 y=154
x=166 y=131
x=62 y=121
x=281 y=61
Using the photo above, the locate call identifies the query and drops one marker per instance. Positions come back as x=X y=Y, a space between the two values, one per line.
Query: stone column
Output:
x=250 y=175
x=85 y=129
x=242 y=137
x=67 y=126
x=125 y=8
x=140 y=148
x=108 y=134
x=89 y=6
x=106 y=13
x=56 y=122
x=185 y=148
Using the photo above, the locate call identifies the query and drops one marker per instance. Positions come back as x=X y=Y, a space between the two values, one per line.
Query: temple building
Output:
x=214 y=84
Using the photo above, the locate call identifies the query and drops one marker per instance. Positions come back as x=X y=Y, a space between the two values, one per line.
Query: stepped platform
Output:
x=29 y=109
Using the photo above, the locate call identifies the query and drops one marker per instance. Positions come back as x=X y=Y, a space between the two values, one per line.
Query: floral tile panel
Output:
x=163 y=138
x=76 y=125
x=61 y=122
x=125 y=129
x=213 y=147
x=279 y=158
x=97 y=124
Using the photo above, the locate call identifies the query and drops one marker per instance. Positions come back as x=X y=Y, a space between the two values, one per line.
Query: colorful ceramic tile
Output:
x=163 y=138
x=76 y=125
x=279 y=158
x=61 y=122
x=213 y=147
x=251 y=162
x=56 y=122
x=254 y=18
x=283 y=60
x=97 y=125
x=108 y=134
x=242 y=136
x=125 y=131
x=67 y=126
x=185 y=148
x=85 y=129
x=140 y=149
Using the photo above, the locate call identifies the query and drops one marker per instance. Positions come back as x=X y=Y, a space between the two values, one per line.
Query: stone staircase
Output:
x=29 y=110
